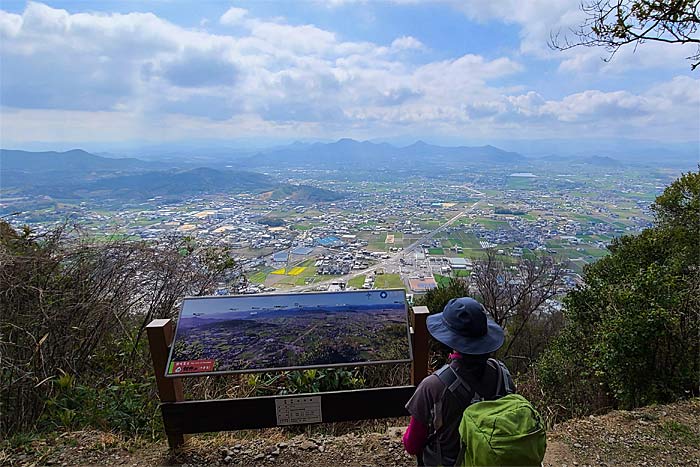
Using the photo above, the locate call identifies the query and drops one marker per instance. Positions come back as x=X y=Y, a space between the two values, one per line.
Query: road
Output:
x=394 y=259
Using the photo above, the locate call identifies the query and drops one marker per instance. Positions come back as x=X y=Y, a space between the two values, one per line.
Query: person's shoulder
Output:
x=431 y=384
x=427 y=393
x=429 y=381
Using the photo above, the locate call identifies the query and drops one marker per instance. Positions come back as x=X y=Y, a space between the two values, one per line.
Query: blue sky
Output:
x=473 y=70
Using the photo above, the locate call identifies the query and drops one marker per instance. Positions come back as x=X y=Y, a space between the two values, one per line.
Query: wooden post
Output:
x=160 y=335
x=419 y=366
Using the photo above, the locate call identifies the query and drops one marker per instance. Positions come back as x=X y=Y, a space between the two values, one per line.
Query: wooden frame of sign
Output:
x=181 y=417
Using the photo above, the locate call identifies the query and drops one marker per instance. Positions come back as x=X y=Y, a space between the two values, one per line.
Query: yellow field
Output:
x=292 y=272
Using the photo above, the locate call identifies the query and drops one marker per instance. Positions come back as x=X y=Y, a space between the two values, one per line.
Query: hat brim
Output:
x=490 y=342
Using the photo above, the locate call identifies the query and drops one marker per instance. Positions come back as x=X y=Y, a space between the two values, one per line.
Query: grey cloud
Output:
x=478 y=110
x=308 y=83
x=70 y=81
x=302 y=111
x=217 y=108
x=196 y=69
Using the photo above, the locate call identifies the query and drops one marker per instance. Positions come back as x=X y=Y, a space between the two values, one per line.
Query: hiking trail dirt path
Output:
x=651 y=436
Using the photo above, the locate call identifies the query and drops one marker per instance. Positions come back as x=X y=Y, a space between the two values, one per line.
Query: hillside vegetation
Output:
x=631 y=332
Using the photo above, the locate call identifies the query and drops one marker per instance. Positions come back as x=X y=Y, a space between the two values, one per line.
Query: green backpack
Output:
x=506 y=431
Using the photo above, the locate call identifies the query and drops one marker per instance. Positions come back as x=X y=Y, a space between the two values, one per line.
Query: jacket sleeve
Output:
x=415 y=437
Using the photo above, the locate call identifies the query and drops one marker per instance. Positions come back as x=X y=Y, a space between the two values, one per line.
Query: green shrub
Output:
x=437 y=298
x=674 y=431
x=303 y=381
x=125 y=406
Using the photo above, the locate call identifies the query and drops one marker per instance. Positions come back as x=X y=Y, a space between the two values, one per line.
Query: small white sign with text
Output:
x=298 y=410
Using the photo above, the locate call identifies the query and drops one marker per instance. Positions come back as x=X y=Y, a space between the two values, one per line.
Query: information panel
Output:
x=247 y=333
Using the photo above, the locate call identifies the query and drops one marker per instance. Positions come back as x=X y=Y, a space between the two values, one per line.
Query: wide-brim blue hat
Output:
x=464 y=326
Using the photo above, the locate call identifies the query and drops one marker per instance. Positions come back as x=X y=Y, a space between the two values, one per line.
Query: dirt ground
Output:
x=652 y=436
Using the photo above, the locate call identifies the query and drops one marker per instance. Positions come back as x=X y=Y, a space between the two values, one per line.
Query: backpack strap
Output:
x=505 y=380
x=499 y=370
x=457 y=386
x=460 y=389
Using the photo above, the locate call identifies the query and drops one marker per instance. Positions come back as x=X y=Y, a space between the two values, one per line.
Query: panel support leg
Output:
x=419 y=365
x=160 y=335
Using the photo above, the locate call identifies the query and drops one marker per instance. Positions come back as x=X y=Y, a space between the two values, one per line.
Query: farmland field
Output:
x=442 y=281
x=257 y=278
x=388 y=281
x=357 y=282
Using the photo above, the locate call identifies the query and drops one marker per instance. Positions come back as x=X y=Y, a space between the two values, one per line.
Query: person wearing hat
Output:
x=471 y=375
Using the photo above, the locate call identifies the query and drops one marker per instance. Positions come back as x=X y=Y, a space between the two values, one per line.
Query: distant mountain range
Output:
x=75 y=160
x=219 y=153
x=628 y=151
x=204 y=180
x=78 y=174
x=187 y=182
x=602 y=161
x=348 y=152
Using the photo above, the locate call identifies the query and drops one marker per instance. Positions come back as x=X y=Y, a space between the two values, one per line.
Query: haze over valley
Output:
x=360 y=214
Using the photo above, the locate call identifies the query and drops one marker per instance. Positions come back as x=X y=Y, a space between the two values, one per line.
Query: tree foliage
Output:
x=632 y=331
x=68 y=303
x=436 y=299
x=613 y=24
x=516 y=296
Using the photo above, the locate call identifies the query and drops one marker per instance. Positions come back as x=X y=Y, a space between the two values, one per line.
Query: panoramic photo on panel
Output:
x=263 y=332
x=203 y=201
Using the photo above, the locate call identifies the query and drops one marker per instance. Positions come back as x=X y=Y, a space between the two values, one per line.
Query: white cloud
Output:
x=682 y=91
x=528 y=104
x=143 y=77
x=406 y=43
x=540 y=20
x=100 y=62
x=10 y=24
x=305 y=39
x=233 y=16
x=651 y=55
x=536 y=18
x=597 y=105
x=669 y=110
